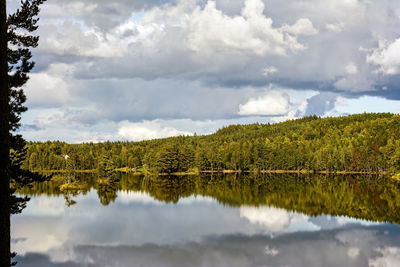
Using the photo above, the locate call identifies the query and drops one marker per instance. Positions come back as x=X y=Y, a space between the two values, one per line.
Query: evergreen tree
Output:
x=16 y=41
x=105 y=167
x=21 y=26
x=4 y=144
x=363 y=142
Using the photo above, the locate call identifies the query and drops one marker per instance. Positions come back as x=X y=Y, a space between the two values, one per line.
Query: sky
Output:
x=141 y=69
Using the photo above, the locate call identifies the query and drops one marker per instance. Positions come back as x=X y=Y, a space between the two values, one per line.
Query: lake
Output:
x=210 y=220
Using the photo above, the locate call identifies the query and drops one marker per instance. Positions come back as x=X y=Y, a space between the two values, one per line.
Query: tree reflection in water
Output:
x=364 y=197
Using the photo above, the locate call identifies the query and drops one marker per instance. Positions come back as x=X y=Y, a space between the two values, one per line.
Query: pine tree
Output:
x=105 y=167
x=16 y=40
x=4 y=144
x=21 y=26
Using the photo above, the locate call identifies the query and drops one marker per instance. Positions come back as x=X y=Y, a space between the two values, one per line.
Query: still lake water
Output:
x=211 y=220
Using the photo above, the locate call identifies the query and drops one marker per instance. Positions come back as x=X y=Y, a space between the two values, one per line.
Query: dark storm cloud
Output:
x=321 y=103
x=30 y=127
x=388 y=88
x=41 y=260
x=137 y=99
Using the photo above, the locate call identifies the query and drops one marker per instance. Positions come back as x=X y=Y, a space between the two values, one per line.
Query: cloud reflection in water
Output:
x=137 y=230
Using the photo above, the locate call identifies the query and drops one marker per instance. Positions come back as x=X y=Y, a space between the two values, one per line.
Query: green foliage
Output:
x=107 y=189
x=363 y=142
x=20 y=38
x=365 y=197
x=105 y=167
x=170 y=159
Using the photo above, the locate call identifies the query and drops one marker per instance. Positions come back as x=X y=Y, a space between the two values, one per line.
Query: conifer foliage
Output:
x=4 y=144
x=355 y=143
x=17 y=40
x=21 y=39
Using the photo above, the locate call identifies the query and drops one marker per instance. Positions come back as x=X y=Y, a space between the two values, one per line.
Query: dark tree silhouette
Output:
x=16 y=40
x=4 y=144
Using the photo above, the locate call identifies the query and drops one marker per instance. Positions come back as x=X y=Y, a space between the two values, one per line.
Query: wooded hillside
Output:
x=363 y=142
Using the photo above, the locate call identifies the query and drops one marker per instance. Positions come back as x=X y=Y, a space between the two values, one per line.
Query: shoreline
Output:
x=134 y=172
x=262 y=171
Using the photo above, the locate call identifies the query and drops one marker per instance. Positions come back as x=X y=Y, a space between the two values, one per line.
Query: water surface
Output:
x=211 y=220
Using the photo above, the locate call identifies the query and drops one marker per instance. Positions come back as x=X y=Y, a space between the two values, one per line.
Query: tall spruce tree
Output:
x=4 y=145
x=16 y=38
x=21 y=26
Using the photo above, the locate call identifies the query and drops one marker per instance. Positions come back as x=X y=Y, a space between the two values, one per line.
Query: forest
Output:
x=366 y=142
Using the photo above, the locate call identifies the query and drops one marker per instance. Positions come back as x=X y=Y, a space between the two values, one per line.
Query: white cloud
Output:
x=351 y=68
x=276 y=220
x=354 y=80
x=39 y=236
x=53 y=124
x=55 y=10
x=211 y=30
x=56 y=124
x=389 y=257
x=269 y=70
x=302 y=26
x=271 y=251
x=387 y=57
x=353 y=238
x=49 y=88
x=353 y=252
x=200 y=60
x=45 y=206
x=77 y=39
x=127 y=197
x=273 y=103
x=147 y=130
x=355 y=83
x=338 y=27
x=73 y=40
x=195 y=199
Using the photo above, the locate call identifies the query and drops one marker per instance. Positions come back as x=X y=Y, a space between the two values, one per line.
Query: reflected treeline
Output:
x=371 y=198
x=107 y=189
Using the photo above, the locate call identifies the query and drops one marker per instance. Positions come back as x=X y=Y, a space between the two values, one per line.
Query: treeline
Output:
x=364 y=142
